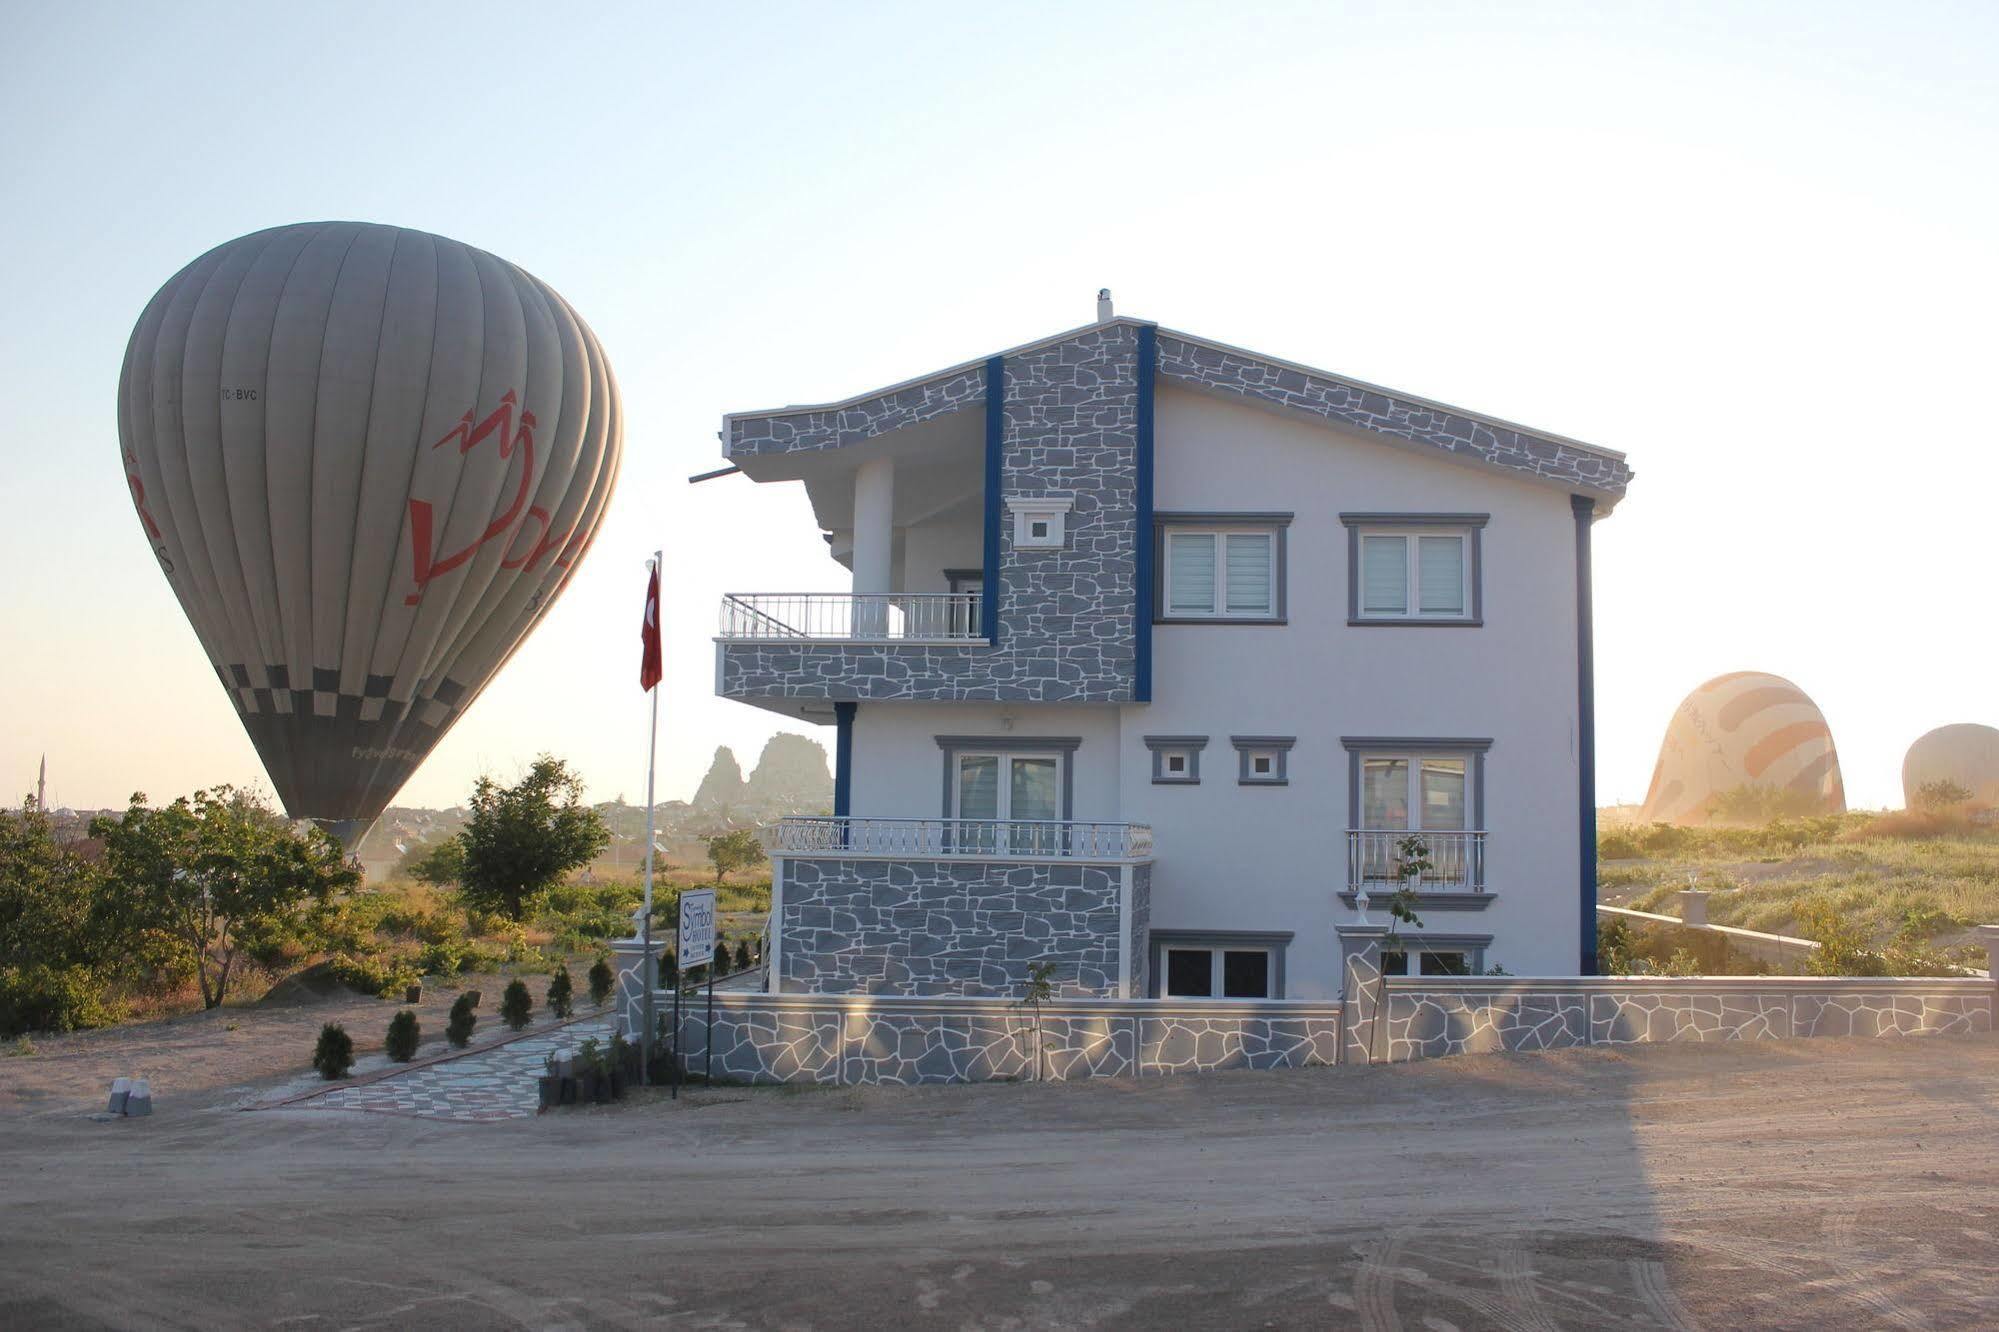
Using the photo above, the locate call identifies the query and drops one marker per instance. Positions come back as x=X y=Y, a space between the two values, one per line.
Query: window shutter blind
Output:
x=1384 y=575
x=1440 y=574
x=1248 y=574
x=1190 y=573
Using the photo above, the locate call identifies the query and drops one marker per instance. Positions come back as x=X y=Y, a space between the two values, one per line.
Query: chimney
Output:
x=1103 y=304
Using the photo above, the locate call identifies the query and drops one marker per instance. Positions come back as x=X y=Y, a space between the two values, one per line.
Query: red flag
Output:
x=649 y=669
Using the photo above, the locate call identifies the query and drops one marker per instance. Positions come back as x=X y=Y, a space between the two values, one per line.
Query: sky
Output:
x=1750 y=245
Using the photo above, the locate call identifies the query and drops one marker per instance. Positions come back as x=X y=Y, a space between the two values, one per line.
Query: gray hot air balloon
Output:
x=368 y=460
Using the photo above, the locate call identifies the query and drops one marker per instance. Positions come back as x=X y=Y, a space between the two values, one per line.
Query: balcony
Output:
x=851 y=617
x=1375 y=861
x=974 y=839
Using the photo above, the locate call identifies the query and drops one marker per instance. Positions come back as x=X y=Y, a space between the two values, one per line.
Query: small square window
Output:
x=1038 y=529
x=1176 y=764
x=1263 y=760
x=1038 y=520
x=1176 y=759
x=1263 y=765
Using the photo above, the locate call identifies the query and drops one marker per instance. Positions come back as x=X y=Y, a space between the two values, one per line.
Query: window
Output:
x=1220 y=567
x=1414 y=568
x=1240 y=965
x=1429 y=962
x=1433 y=788
x=1176 y=759
x=968 y=588
x=1038 y=520
x=1008 y=793
x=1406 y=792
x=1263 y=760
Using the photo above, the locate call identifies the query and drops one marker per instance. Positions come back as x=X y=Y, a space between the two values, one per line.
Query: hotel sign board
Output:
x=697 y=927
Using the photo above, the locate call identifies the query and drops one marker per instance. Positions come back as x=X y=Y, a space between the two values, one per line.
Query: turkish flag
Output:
x=649 y=669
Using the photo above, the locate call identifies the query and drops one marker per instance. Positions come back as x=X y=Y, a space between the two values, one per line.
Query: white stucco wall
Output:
x=899 y=768
x=954 y=540
x=1273 y=858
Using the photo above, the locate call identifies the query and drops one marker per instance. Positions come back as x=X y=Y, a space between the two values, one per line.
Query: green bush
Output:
x=516 y=1006
x=561 y=993
x=403 y=1036
x=334 y=1054
x=720 y=961
x=385 y=978
x=44 y=998
x=458 y=1030
x=1618 y=844
x=602 y=981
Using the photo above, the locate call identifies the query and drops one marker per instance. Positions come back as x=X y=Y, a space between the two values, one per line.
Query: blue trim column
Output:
x=995 y=438
x=843 y=759
x=1148 y=377
x=1585 y=511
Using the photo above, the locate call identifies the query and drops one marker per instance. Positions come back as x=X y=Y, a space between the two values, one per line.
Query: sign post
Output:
x=694 y=945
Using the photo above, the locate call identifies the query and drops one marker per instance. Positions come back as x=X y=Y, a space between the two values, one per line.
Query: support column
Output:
x=843 y=759
x=874 y=545
x=1585 y=511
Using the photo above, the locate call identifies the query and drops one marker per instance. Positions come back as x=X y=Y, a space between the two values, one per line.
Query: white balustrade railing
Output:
x=816 y=616
x=992 y=839
x=1375 y=859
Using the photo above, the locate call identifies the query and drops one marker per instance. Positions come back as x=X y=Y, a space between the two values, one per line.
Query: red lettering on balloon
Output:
x=427 y=563
x=139 y=495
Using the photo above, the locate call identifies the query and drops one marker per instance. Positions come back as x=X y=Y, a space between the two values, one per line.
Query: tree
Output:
x=523 y=838
x=742 y=955
x=442 y=866
x=403 y=1036
x=733 y=851
x=458 y=1029
x=720 y=962
x=333 y=1055
x=1941 y=794
x=1037 y=989
x=602 y=981
x=516 y=1005
x=53 y=956
x=211 y=872
x=561 y=992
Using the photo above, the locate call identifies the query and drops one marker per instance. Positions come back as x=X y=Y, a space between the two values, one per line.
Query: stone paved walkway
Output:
x=480 y=1086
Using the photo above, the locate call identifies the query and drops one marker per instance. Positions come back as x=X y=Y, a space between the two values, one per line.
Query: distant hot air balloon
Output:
x=1965 y=755
x=368 y=460
x=1741 y=730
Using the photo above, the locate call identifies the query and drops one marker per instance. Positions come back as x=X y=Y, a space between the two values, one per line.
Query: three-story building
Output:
x=1158 y=655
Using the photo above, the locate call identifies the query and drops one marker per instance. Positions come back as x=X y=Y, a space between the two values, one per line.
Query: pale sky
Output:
x=1751 y=246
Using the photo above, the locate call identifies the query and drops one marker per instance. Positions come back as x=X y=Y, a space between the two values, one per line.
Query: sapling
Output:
x=516 y=1007
x=1037 y=989
x=560 y=992
x=334 y=1054
x=403 y=1036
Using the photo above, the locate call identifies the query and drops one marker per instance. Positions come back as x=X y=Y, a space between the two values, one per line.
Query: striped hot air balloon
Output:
x=1746 y=729
x=367 y=460
x=1966 y=755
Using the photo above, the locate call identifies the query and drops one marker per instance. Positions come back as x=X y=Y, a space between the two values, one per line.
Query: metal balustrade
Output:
x=845 y=616
x=1457 y=861
x=990 y=839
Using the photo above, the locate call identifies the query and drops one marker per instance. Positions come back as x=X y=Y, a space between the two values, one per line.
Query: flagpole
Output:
x=646 y=971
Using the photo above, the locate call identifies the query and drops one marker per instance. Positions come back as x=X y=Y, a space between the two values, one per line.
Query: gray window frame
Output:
x=1279 y=525
x=1472 y=945
x=1065 y=745
x=1158 y=941
x=1160 y=744
x=1244 y=744
x=1473 y=524
x=1473 y=750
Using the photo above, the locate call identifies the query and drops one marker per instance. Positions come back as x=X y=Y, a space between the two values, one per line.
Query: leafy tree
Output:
x=602 y=981
x=334 y=1053
x=1941 y=794
x=742 y=955
x=561 y=993
x=53 y=955
x=516 y=1006
x=734 y=851
x=458 y=1029
x=209 y=872
x=1842 y=949
x=442 y=866
x=523 y=838
x=403 y=1036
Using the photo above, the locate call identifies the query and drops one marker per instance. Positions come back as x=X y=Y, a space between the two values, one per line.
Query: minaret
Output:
x=42 y=786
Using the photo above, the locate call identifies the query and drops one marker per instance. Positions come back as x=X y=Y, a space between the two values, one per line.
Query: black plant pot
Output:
x=617 y=1081
x=413 y=994
x=550 y=1087
x=570 y=1094
x=600 y=1088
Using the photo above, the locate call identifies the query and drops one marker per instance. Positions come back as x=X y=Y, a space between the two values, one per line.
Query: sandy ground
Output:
x=1819 y=1184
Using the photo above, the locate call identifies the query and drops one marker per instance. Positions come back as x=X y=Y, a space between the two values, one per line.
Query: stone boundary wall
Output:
x=846 y=1041
x=1425 y=1017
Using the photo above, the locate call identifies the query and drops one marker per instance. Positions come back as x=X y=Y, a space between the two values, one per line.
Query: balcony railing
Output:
x=990 y=839
x=845 y=616
x=1375 y=861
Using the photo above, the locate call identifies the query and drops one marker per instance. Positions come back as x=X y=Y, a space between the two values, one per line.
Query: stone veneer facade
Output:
x=1067 y=617
x=956 y=927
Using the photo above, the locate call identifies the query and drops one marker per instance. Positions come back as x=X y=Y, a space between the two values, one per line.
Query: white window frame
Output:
x=1411 y=950
x=1410 y=528
x=1217 y=528
x=1413 y=787
x=1216 y=965
x=1412 y=573
x=1006 y=757
x=1050 y=511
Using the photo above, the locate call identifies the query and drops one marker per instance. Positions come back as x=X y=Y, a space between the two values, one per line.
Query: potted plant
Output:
x=590 y=1072
x=549 y=1085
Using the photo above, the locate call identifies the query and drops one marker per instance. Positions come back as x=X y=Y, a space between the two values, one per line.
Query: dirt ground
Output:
x=1820 y=1184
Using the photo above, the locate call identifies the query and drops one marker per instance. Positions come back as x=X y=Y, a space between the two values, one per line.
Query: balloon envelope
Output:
x=1965 y=754
x=368 y=460
x=1745 y=729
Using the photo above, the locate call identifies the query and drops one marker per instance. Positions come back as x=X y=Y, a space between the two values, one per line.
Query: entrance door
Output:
x=1017 y=798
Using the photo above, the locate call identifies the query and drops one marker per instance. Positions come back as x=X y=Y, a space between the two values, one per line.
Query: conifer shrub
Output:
x=721 y=962
x=742 y=955
x=458 y=1029
x=404 y=1033
x=602 y=981
x=561 y=993
x=516 y=1006
x=334 y=1054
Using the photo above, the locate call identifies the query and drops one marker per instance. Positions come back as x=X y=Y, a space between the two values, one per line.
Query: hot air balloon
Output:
x=1745 y=730
x=1966 y=755
x=368 y=460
